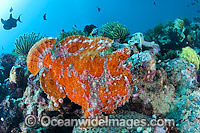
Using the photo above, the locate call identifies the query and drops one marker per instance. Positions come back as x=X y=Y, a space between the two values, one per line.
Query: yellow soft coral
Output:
x=191 y=56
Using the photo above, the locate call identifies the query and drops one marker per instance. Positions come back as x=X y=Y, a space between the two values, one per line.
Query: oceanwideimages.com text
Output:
x=47 y=121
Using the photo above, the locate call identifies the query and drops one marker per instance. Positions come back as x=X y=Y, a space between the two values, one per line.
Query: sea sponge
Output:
x=17 y=75
x=115 y=31
x=191 y=56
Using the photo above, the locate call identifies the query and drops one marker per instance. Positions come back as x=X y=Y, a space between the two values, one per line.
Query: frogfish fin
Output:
x=50 y=85
x=39 y=54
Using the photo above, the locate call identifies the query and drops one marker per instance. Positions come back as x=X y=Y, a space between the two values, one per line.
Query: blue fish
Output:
x=10 y=23
x=11 y=9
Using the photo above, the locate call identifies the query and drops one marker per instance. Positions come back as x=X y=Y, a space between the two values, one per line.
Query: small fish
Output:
x=197 y=1
x=188 y=5
x=94 y=32
x=99 y=9
x=63 y=30
x=11 y=9
x=193 y=4
x=154 y=3
x=75 y=26
x=45 y=16
x=198 y=11
x=10 y=23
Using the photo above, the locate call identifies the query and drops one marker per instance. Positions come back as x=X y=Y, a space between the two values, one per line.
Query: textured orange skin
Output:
x=89 y=61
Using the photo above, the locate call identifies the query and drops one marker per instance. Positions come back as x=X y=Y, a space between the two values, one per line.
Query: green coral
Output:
x=115 y=31
x=24 y=43
x=191 y=56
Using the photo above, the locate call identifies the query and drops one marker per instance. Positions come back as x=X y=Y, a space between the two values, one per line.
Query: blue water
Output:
x=137 y=15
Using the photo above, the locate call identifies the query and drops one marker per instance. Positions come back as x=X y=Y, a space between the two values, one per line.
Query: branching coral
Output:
x=115 y=30
x=191 y=56
x=81 y=70
x=25 y=42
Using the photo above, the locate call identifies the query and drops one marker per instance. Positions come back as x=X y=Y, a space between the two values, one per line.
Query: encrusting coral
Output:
x=25 y=42
x=191 y=56
x=80 y=68
x=115 y=31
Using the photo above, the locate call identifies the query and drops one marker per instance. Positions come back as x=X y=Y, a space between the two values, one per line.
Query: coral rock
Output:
x=182 y=74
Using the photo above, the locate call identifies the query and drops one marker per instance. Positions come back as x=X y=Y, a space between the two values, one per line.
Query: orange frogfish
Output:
x=82 y=69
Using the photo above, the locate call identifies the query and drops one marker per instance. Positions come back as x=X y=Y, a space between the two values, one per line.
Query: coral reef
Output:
x=160 y=100
x=129 y=77
x=25 y=42
x=2 y=76
x=7 y=61
x=181 y=74
x=82 y=69
x=10 y=114
x=151 y=85
x=115 y=31
x=35 y=102
x=17 y=82
x=191 y=56
x=174 y=35
x=3 y=92
x=186 y=112
x=20 y=61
